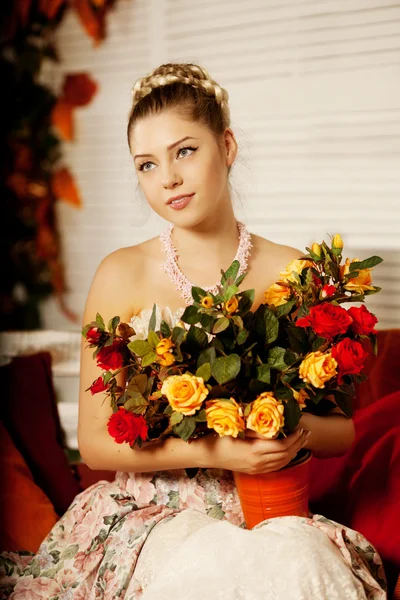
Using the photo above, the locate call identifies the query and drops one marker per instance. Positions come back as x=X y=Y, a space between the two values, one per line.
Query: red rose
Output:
x=111 y=357
x=93 y=335
x=363 y=321
x=317 y=280
x=328 y=290
x=350 y=356
x=125 y=426
x=98 y=386
x=326 y=320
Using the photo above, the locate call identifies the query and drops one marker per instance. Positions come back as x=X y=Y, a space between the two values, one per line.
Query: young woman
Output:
x=153 y=532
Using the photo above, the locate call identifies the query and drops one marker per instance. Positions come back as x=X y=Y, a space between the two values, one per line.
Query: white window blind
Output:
x=315 y=103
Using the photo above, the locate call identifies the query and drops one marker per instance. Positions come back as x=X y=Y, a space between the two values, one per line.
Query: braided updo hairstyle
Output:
x=186 y=88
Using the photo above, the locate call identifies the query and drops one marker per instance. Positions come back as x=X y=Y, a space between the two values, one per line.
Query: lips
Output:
x=179 y=197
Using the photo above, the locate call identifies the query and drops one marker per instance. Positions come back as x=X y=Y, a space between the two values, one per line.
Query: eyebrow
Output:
x=188 y=137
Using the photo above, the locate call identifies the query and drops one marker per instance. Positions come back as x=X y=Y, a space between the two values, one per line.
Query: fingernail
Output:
x=308 y=434
x=300 y=432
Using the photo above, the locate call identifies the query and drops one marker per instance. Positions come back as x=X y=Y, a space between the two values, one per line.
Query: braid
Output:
x=188 y=73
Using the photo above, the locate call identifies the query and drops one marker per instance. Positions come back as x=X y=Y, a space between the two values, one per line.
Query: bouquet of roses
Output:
x=227 y=368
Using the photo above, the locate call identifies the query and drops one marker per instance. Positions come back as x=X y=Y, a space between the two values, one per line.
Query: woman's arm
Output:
x=331 y=435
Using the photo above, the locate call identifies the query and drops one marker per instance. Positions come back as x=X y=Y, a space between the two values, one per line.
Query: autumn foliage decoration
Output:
x=33 y=175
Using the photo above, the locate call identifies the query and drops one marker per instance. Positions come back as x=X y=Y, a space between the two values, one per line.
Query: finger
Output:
x=274 y=446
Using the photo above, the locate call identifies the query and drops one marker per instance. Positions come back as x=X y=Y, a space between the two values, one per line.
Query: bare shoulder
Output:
x=278 y=255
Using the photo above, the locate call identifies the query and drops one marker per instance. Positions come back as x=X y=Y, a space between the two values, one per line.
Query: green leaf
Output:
x=238 y=321
x=230 y=292
x=368 y=263
x=317 y=343
x=276 y=358
x=298 y=339
x=201 y=416
x=191 y=315
x=221 y=325
x=168 y=410
x=178 y=335
x=271 y=326
x=138 y=383
x=136 y=403
x=264 y=373
x=225 y=368
x=292 y=414
x=113 y=324
x=175 y=418
x=344 y=401
x=196 y=338
x=246 y=300
x=374 y=341
x=198 y=293
x=100 y=322
x=153 y=318
x=185 y=428
x=284 y=309
x=149 y=358
x=240 y=279
x=282 y=392
x=204 y=371
x=207 y=356
x=242 y=336
x=153 y=339
x=233 y=270
x=139 y=347
x=165 y=329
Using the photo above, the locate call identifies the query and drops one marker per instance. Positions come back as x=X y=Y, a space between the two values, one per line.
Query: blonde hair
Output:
x=186 y=88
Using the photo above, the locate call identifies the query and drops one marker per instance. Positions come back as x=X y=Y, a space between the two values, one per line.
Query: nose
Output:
x=171 y=179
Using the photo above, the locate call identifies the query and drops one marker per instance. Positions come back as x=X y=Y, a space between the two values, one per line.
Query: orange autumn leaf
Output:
x=64 y=187
x=50 y=8
x=61 y=118
x=79 y=89
x=92 y=22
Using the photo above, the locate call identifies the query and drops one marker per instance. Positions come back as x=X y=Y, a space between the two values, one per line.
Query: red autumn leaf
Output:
x=50 y=8
x=46 y=242
x=64 y=187
x=61 y=118
x=92 y=21
x=79 y=89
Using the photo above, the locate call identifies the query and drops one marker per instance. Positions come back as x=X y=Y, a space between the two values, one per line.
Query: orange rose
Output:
x=360 y=283
x=300 y=396
x=266 y=415
x=164 y=346
x=231 y=305
x=185 y=393
x=317 y=368
x=167 y=359
x=225 y=416
x=276 y=294
x=207 y=302
x=296 y=265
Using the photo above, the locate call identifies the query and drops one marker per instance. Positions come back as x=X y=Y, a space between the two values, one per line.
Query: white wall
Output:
x=315 y=103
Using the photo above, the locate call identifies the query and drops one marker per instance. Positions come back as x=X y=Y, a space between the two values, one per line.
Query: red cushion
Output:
x=361 y=489
x=27 y=515
x=29 y=411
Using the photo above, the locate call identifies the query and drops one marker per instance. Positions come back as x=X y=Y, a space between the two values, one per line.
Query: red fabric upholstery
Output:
x=29 y=411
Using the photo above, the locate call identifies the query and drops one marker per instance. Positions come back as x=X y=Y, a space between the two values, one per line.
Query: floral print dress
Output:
x=165 y=535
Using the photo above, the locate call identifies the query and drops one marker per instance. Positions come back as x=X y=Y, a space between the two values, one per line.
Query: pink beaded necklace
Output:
x=183 y=285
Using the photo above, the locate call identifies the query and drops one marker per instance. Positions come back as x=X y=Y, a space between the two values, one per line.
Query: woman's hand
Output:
x=254 y=455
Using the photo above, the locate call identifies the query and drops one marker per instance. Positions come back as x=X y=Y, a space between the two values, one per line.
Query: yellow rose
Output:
x=185 y=393
x=317 y=368
x=225 y=417
x=207 y=302
x=266 y=415
x=337 y=241
x=297 y=266
x=277 y=294
x=360 y=283
x=300 y=397
x=231 y=305
x=164 y=346
x=167 y=359
x=316 y=248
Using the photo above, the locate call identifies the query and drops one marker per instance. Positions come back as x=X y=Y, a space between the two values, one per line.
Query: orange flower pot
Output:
x=276 y=494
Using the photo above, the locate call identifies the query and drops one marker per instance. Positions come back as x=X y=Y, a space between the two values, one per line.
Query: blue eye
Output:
x=141 y=167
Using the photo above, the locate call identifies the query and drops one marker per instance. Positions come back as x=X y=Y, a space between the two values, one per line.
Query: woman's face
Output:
x=195 y=165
